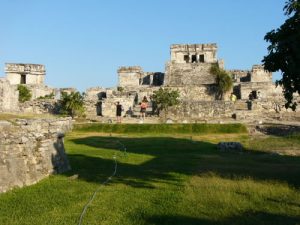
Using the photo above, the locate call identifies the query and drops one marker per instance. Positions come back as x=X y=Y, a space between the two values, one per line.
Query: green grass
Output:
x=12 y=116
x=164 y=179
x=162 y=128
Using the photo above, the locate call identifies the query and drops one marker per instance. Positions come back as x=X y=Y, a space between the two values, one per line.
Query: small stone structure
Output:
x=30 y=150
x=19 y=73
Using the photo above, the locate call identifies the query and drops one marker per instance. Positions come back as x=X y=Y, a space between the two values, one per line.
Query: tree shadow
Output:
x=247 y=218
x=179 y=156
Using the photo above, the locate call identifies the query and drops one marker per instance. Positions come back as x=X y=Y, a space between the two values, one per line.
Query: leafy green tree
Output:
x=72 y=104
x=223 y=80
x=24 y=93
x=284 y=52
x=164 y=98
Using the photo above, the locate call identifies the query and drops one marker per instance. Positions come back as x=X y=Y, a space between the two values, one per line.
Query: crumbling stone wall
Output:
x=30 y=150
x=202 y=110
x=188 y=74
x=40 y=106
x=8 y=97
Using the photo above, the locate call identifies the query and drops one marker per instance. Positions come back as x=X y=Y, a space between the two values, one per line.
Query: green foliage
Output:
x=50 y=96
x=284 y=53
x=165 y=98
x=121 y=89
x=162 y=128
x=72 y=104
x=24 y=93
x=223 y=80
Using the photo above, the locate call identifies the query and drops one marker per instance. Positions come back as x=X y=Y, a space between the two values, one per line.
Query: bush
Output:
x=223 y=80
x=72 y=104
x=24 y=93
x=165 y=98
x=50 y=96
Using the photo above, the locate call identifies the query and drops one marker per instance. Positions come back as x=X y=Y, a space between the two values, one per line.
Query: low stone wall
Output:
x=39 y=106
x=202 y=110
x=31 y=150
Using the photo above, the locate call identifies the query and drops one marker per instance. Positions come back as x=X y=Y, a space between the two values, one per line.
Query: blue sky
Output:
x=82 y=43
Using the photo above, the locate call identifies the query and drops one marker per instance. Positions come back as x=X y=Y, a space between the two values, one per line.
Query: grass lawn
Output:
x=165 y=179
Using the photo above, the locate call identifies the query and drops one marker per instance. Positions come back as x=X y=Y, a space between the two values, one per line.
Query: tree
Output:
x=165 y=98
x=223 y=80
x=24 y=93
x=284 y=53
x=72 y=104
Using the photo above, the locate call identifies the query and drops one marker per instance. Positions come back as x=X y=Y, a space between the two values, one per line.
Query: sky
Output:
x=83 y=42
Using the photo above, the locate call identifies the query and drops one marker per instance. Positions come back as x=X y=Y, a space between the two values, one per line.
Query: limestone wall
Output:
x=130 y=76
x=40 y=90
x=189 y=74
x=41 y=106
x=259 y=74
x=202 y=110
x=30 y=150
x=8 y=97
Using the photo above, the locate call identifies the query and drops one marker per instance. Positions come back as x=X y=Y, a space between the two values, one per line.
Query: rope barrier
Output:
x=123 y=148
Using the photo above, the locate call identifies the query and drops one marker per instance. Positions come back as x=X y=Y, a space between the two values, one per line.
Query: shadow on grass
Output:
x=248 y=218
x=181 y=156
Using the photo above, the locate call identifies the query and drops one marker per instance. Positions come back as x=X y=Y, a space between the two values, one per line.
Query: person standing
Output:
x=144 y=105
x=119 y=109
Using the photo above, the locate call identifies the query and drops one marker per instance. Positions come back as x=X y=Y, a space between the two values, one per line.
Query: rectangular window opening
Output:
x=23 y=79
x=201 y=58
x=186 y=58
x=194 y=58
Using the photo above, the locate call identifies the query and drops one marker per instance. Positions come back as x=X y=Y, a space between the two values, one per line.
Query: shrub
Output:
x=165 y=98
x=72 y=104
x=50 y=96
x=223 y=80
x=24 y=93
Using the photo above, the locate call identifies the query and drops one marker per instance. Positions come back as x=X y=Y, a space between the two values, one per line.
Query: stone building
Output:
x=188 y=71
x=19 y=73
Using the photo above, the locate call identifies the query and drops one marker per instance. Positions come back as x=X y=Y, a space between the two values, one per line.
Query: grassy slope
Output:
x=164 y=180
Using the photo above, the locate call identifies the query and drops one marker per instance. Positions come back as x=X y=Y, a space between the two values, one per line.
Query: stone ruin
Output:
x=187 y=71
x=30 y=150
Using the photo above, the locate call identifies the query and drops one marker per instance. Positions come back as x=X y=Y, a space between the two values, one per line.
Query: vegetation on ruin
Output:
x=121 y=89
x=164 y=179
x=72 y=104
x=50 y=96
x=223 y=80
x=284 y=52
x=165 y=98
x=24 y=93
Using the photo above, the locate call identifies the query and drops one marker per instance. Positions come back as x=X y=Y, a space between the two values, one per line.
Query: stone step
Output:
x=241 y=105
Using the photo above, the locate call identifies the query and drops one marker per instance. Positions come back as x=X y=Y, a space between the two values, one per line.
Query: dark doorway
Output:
x=99 y=108
x=23 y=79
x=186 y=58
x=254 y=94
x=194 y=58
x=201 y=58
